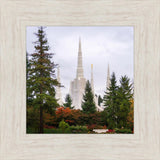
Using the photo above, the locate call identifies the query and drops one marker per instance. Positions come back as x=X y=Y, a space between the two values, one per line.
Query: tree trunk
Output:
x=41 y=120
x=41 y=115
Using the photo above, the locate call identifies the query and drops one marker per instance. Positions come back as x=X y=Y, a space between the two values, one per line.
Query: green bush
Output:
x=31 y=130
x=125 y=130
x=56 y=130
x=78 y=129
x=47 y=130
x=63 y=125
x=63 y=128
x=70 y=129
x=32 y=120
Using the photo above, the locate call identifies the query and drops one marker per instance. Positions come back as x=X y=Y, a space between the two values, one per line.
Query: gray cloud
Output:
x=100 y=46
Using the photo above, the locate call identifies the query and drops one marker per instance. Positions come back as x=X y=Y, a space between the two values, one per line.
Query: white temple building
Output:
x=58 y=88
x=77 y=86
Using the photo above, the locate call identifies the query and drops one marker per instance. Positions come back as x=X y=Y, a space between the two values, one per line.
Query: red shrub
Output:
x=111 y=131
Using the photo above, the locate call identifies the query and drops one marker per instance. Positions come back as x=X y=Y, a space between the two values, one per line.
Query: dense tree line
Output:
x=117 y=100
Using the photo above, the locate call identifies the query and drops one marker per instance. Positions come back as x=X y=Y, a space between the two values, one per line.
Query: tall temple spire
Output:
x=92 y=82
x=79 y=49
x=58 y=89
x=79 y=63
x=108 y=78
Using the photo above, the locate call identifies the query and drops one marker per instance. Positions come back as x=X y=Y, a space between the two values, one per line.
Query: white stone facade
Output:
x=77 y=88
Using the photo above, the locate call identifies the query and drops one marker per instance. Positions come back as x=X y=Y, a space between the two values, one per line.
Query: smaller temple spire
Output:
x=58 y=89
x=108 y=78
x=98 y=108
x=92 y=82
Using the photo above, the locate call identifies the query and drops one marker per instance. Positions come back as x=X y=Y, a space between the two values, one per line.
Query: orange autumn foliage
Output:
x=63 y=111
x=70 y=116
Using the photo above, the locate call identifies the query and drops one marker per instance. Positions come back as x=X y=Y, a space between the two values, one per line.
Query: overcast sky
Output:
x=100 y=46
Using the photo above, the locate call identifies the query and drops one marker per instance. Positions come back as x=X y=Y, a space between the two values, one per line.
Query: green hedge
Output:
x=78 y=129
x=123 y=130
x=31 y=130
x=57 y=130
x=70 y=129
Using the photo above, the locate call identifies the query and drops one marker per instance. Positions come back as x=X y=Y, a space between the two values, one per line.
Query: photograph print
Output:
x=79 y=80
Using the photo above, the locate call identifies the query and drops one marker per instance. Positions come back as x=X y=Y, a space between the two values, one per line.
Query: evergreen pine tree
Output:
x=110 y=101
x=68 y=101
x=124 y=96
x=88 y=104
x=41 y=78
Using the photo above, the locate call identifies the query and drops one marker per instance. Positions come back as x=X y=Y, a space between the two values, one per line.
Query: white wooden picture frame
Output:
x=15 y=144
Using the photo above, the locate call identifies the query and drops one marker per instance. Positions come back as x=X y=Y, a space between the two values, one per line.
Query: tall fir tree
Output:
x=68 y=102
x=88 y=104
x=41 y=79
x=124 y=96
x=110 y=101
